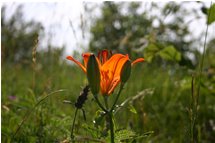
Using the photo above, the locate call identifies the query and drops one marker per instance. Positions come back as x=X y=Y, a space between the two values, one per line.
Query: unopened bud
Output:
x=93 y=74
x=125 y=72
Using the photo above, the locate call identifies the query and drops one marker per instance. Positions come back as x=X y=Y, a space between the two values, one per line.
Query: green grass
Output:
x=165 y=111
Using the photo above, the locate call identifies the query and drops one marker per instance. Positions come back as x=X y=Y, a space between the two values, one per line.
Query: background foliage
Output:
x=157 y=98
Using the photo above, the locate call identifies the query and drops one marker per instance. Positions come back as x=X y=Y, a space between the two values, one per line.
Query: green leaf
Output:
x=211 y=17
x=184 y=84
x=132 y=109
x=124 y=135
x=98 y=120
x=150 y=51
x=90 y=129
x=129 y=135
x=170 y=53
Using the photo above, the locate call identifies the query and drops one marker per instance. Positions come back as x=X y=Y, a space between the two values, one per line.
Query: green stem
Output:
x=196 y=100
x=111 y=126
x=100 y=105
x=192 y=110
x=109 y=112
x=117 y=97
x=73 y=124
x=203 y=56
x=106 y=101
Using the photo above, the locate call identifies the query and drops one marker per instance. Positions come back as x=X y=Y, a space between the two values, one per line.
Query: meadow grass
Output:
x=164 y=110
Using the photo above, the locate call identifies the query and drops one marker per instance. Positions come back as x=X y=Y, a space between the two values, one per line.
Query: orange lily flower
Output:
x=110 y=67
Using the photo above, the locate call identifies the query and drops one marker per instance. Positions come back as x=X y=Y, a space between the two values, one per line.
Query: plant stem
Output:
x=117 y=97
x=111 y=126
x=108 y=111
x=195 y=97
x=192 y=111
x=203 y=56
x=100 y=105
x=106 y=101
x=73 y=124
x=110 y=114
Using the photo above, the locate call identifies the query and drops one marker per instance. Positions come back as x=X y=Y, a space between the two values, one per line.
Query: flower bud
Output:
x=93 y=74
x=125 y=72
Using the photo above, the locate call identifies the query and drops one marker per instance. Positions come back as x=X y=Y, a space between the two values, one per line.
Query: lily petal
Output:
x=117 y=73
x=104 y=56
x=119 y=65
x=113 y=66
x=77 y=62
x=113 y=85
x=86 y=57
x=137 y=61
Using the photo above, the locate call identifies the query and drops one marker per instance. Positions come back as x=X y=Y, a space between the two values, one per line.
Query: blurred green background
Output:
x=161 y=85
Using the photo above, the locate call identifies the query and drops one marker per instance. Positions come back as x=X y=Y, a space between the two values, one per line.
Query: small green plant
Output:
x=196 y=84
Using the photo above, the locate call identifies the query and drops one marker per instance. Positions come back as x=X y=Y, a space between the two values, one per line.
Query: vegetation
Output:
x=168 y=98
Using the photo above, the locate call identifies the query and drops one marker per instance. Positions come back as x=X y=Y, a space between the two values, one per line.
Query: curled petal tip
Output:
x=137 y=61
x=77 y=62
x=69 y=58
